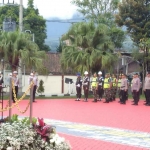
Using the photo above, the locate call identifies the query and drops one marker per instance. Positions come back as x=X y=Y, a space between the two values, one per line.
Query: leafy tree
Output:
x=8 y=11
x=15 y=45
x=59 y=47
x=37 y=24
x=88 y=47
x=102 y=12
x=134 y=14
x=32 y=21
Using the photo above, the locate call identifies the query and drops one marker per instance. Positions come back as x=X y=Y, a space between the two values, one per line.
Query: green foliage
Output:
x=102 y=12
x=26 y=120
x=41 y=87
x=15 y=45
x=14 y=118
x=89 y=47
x=134 y=14
x=32 y=21
x=60 y=46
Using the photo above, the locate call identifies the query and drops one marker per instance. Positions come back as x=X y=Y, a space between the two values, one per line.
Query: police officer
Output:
x=135 y=88
x=34 y=78
x=16 y=84
x=85 y=84
x=100 y=86
x=123 y=89
x=114 y=87
x=146 y=89
x=107 y=88
x=94 y=83
x=1 y=83
x=78 y=86
x=118 y=88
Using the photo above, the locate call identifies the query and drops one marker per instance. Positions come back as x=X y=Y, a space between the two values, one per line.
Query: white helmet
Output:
x=99 y=72
x=15 y=72
x=85 y=72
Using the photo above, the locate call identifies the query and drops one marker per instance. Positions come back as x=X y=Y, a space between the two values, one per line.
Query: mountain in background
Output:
x=57 y=27
x=54 y=32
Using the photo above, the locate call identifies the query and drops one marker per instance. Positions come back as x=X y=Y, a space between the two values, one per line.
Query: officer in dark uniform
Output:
x=100 y=86
x=1 y=82
x=85 y=84
x=78 y=86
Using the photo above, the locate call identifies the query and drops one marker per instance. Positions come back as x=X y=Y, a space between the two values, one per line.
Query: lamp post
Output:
x=30 y=33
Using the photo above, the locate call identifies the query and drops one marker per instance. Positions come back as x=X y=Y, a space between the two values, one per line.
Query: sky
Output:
x=62 y=9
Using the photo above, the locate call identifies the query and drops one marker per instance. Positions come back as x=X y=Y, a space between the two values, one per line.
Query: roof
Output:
x=53 y=64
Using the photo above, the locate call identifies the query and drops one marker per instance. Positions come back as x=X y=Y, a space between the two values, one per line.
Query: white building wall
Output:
x=52 y=84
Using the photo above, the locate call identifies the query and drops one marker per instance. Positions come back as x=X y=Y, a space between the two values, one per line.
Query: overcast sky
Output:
x=62 y=9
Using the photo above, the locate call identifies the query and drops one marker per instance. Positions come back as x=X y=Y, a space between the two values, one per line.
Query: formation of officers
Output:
x=110 y=85
x=14 y=77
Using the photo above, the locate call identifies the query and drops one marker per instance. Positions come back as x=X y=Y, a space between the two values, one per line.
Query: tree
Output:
x=41 y=87
x=32 y=21
x=134 y=14
x=88 y=47
x=102 y=12
x=59 y=47
x=15 y=46
x=36 y=24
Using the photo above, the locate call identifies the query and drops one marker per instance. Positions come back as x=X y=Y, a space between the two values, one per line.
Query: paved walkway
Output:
x=115 y=135
x=95 y=126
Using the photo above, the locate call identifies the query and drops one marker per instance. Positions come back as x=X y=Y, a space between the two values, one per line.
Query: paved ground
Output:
x=96 y=126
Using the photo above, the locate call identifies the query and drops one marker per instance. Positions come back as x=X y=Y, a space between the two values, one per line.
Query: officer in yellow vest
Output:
x=94 y=83
x=114 y=87
x=107 y=88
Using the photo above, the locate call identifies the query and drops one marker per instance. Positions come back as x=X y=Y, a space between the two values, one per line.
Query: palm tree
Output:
x=88 y=47
x=15 y=46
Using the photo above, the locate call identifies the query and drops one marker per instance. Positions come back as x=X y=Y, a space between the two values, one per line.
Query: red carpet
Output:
x=102 y=114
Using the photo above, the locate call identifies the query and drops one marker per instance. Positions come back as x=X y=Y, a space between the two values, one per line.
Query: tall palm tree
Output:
x=88 y=47
x=15 y=46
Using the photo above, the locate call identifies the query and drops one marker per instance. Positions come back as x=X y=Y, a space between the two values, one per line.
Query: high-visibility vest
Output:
x=119 y=82
x=106 y=83
x=94 y=82
x=114 y=82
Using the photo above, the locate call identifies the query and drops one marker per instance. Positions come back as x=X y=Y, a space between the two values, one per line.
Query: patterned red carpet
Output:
x=113 y=114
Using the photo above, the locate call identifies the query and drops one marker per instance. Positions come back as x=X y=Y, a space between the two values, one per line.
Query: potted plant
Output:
x=41 y=88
